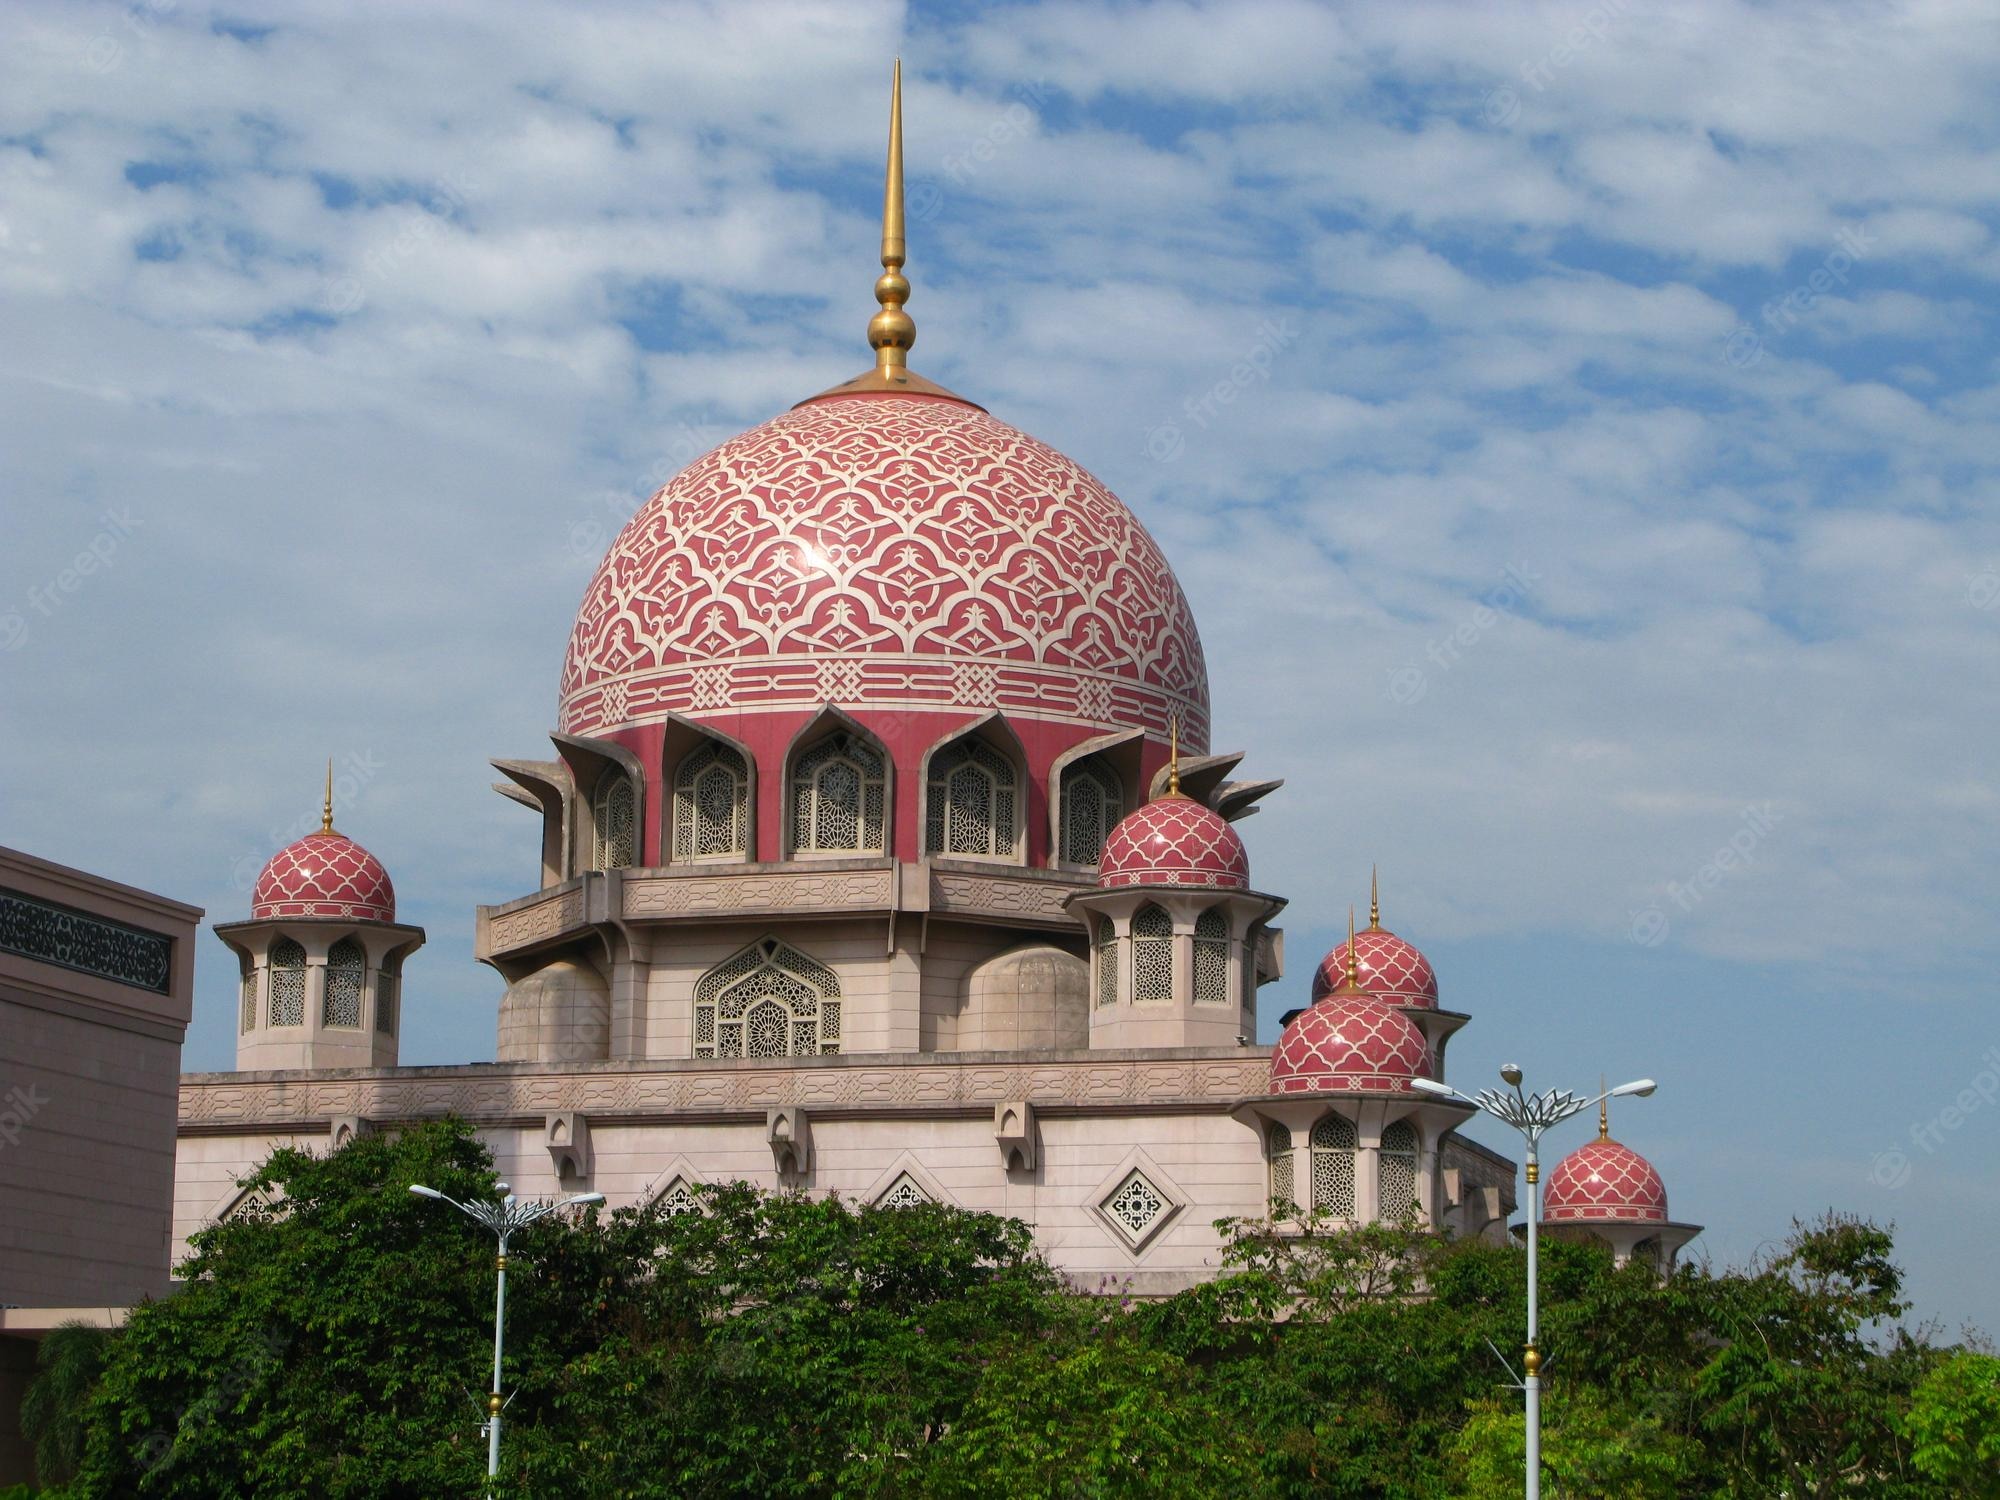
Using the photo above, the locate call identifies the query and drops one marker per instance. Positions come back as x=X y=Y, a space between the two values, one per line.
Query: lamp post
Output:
x=503 y=1219
x=1533 y=1115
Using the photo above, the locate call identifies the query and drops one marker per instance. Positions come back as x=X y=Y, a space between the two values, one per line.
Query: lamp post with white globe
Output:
x=1533 y=1115
x=503 y=1219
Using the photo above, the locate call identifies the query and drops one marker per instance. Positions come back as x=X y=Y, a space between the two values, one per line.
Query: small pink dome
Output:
x=1174 y=840
x=324 y=875
x=1348 y=1042
x=1390 y=968
x=1604 y=1181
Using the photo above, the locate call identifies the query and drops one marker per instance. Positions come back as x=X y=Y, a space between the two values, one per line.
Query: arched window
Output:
x=387 y=981
x=1211 y=958
x=712 y=804
x=1107 y=962
x=249 y=993
x=770 y=1000
x=970 y=800
x=1152 y=955
x=614 y=818
x=1333 y=1145
x=1396 y=1172
x=1092 y=803
x=1278 y=1149
x=345 y=965
x=288 y=983
x=839 y=805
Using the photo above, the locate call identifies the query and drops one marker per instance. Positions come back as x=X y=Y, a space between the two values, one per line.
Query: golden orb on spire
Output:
x=1374 y=902
x=326 y=809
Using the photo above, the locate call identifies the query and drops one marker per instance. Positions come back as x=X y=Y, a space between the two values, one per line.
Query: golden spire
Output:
x=1603 y=1111
x=891 y=331
x=1174 y=754
x=326 y=812
x=1374 y=902
x=1353 y=980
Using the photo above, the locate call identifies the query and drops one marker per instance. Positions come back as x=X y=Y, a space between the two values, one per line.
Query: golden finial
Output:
x=1174 y=754
x=891 y=331
x=1374 y=902
x=1353 y=963
x=326 y=812
x=1603 y=1111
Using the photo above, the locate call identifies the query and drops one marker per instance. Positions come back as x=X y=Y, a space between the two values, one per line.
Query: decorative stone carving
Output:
x=789 y=1130
x=1014 y=1130
x=777 y=891
x=998 y=895
x=55 y=934
x=567 y=1137
x=536 y=923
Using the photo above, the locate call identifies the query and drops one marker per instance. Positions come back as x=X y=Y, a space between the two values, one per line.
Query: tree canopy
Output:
x=334 y=1339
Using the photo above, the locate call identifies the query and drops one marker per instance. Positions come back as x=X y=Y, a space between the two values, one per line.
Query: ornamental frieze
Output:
x=52 y=934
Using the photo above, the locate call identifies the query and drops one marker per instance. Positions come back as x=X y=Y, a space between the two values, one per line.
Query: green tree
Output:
x=1953 y=1424
x=53 y=1408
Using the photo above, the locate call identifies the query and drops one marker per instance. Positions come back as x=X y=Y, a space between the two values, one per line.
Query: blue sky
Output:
x=1602 y=541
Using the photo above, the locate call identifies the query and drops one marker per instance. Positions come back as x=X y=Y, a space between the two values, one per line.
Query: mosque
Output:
x=883 y=852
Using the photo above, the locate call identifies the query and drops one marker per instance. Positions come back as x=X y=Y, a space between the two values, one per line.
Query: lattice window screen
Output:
x=1211 y=958
x=904 y=1192
x=249 y=993
x=385 y=1003
x=345 y=968
x=1135 y=1205
x=770 y=1000
x=678 y=1197
x=1092 y=804
x=970 y=800
x=1334 y=1141
x=1396 y=1171
x=1278 y=1147
x=1107 y=962
x=712 y=804
x=288 y=983
x=838 y=801
x=615 y=820
x=1152 y=955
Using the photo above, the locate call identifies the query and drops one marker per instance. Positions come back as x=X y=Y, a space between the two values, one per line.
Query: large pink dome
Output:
x=886 y=551
x=324 y=874
x=1347 y=1043
x=1604 y=1180
x=1174 y=840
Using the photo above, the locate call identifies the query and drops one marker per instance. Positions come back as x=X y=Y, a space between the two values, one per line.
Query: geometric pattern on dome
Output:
x=1174 y=841
x=1604 y=1181
x=1390 y=969
x=912 y=550
x=324 y=875
x=1349 y=1043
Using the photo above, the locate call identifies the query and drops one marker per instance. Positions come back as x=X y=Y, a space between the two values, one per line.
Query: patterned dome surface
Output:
x=1390 y=969
x=324 y=875
x=1174 y=841
x=885 y=551
x=1349 y=1042
x=1604 y=1180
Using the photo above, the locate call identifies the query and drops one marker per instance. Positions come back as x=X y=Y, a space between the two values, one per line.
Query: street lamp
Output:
x=1533 y=1115
x=502 y=1218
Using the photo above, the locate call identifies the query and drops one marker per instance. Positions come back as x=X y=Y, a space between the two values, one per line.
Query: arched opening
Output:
x=1211 y=958
x=770 y=1000
x=1278 y=1151
x=1396 y=1172
x=839 y=798
x=1107 y=962
x=1093 y=800
x=346 y=966
x=712 y=804
x=1334 y=1142
x=972 y=799
x=1152 y=955
x=614 y=814
x=288 y=983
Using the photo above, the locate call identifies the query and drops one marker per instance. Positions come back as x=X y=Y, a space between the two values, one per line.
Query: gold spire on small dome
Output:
x=1374 y=902
x=1174 y=754
x=1351 y=984
x=892 y=331
x=1603 y=1111
x=326 y=810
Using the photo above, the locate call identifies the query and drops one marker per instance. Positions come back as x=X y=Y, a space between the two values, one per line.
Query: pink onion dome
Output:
x=324 y=874
x=1349 y=1041
x=1174 y=840
x=893 y=550
x=1604 y=1181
